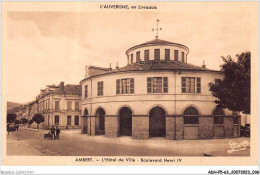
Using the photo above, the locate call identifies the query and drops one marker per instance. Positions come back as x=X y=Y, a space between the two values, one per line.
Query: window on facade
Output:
x=167 y=54
x=198 y=85
x=182 y=56
x=146 y=55
x=132 y=58
x=86 y=91
x=69 y=105
x=156 y=54
x=125 y=86
x=76 y=105
x=100 y=88
x=191 y=116
x=218 y=120
x=191 y=120
x=188 y=85
x=138 y=56
x=176 y=55
x=128 y=59
x=57 y=119
x=76 y=120
x=235 y=120
x=68 y=120
x=157 y=84
x=57 y=105
x=217 y=80
x=218 y=114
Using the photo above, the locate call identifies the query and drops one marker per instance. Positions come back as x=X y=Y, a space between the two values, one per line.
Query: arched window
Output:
x=57 y=119
x=85 y=112
x=191 y=115
x=68 y=120
x=76 y=120
x=218 y=114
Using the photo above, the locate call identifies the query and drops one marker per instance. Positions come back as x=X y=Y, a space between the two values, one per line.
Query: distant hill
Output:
x=12 y=107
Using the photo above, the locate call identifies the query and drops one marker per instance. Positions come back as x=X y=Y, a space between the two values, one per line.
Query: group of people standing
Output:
x=55 y=133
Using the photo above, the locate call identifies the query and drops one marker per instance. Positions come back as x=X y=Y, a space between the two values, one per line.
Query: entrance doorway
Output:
x=125 y=122
x=100 y=121
x=85 y=122
x=157 y=122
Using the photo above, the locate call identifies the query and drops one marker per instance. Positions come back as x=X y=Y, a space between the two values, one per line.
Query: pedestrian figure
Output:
x=17 y=127
x=57 y=133
x=8 y=128
x=52 y=132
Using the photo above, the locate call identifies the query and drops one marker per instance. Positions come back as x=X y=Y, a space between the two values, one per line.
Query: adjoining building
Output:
x=157 y=94
x=60 y=105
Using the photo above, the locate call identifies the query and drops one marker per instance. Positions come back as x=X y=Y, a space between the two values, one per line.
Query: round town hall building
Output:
x=157 y=94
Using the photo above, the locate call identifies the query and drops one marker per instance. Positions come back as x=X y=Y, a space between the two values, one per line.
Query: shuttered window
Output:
x=165 y=84
x=132 y=90
x=190 y=84
x=198 y=85
x=100 y=88
x=86 y=91
x=157 y=84
x=118 y=86
x=125 y=86
x=183 y=84
x=149 y=85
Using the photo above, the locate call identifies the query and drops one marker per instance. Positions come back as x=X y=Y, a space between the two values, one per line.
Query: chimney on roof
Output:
x=203 y=65
x=110 y=68
x=62 y=86
x=117 y=67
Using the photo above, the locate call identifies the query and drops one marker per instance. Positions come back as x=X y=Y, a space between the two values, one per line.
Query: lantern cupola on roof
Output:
x=157 y=50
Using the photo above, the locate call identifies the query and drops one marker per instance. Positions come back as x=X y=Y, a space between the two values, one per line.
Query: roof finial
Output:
x=117 y=67
x=157 y=29
x=203 y=65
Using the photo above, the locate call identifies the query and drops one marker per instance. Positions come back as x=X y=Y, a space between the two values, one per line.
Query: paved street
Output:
x=72 y=143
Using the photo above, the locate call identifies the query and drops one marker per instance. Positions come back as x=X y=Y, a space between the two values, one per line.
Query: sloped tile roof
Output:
x=161 y=65
x=72 y=89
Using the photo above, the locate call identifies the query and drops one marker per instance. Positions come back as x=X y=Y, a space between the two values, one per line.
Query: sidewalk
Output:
x=18 y=147
x=212 y=147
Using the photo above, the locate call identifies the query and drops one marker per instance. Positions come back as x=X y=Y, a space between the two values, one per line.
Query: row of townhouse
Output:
x=59 y=104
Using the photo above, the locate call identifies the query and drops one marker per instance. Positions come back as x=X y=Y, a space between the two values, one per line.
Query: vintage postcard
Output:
x=129 y=83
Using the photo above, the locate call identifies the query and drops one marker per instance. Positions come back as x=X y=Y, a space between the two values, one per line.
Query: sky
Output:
x=47 y=47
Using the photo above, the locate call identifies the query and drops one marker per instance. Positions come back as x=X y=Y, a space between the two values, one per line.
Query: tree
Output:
x=30 y=122
x=233 y=92
x=38 y=118
x=24 y=120
x=16 y=121
x=11 y=118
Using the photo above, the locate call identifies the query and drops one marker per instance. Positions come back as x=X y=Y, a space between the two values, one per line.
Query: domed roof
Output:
x=157 y=42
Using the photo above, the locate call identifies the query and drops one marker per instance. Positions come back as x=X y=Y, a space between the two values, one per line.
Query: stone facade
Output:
x=131 y=109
